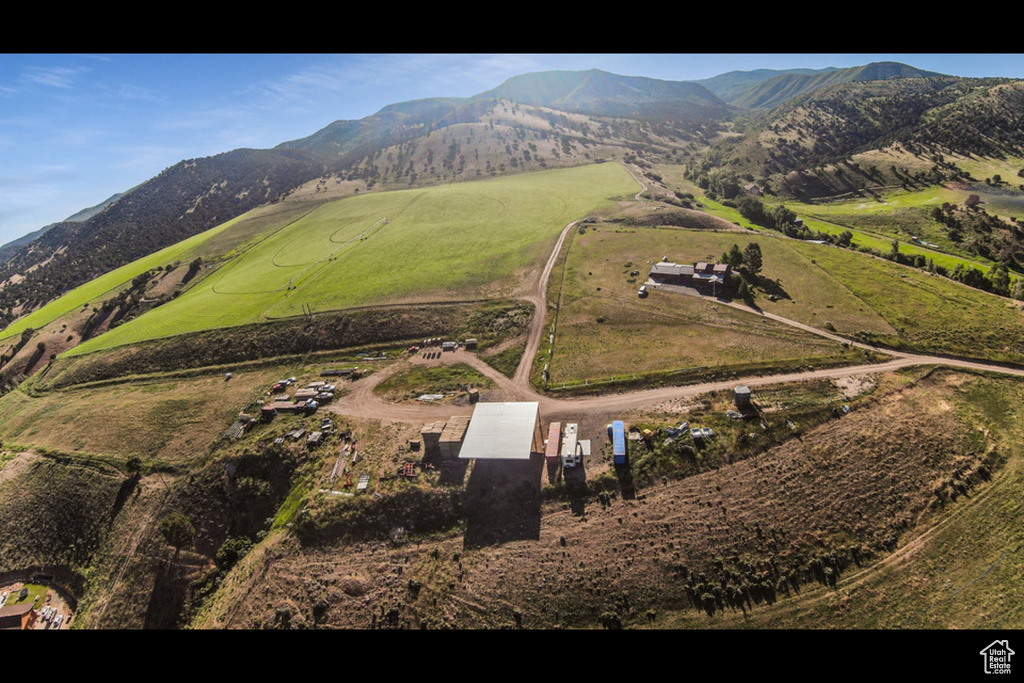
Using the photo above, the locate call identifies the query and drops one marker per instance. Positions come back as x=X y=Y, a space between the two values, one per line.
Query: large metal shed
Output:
x=503 y=431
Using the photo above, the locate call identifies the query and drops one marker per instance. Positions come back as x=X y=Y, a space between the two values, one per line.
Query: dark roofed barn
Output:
x=707 y=277
x=17 y=617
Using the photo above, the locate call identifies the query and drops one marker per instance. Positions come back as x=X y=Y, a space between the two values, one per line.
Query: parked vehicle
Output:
x=618 y=442
x=571 y=455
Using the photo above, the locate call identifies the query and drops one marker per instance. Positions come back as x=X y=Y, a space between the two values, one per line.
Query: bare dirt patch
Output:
x=855 y=385
x=17 y=465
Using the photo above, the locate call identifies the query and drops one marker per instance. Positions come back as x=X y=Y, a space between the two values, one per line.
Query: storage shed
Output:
x=741 y=395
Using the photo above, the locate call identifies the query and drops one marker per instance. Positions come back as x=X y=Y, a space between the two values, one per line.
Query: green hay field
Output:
x=107 y=283
x=209 y=245
x=898 y=215
x=454 y=242
x=929 y=313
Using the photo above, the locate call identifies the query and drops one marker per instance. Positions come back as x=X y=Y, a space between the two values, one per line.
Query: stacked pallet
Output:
x=452 y=436
x=431 y=434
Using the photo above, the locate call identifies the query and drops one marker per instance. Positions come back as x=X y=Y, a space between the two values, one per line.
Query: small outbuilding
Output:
x=741 y=396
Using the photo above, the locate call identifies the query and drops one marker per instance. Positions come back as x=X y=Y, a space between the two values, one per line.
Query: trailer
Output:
x=571 y=455
x=619 y=442
x=554 y=445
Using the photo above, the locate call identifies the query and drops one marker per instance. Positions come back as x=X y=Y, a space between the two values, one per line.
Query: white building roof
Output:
x=501 y=431
x=676 y=269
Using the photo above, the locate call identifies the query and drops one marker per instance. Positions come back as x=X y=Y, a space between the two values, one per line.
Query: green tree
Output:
x=231 y=551
x=753 y=210
x=734 y=257
x=724 y=182
x=178 y=531
x=134 y=465
x=752 y=258
x=743 y=291
x=781 y=217
x=999 y=276
x=1018 y=290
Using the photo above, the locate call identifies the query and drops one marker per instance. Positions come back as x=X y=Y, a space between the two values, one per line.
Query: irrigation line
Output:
x=365 y=234
x=965 y=586
x=234 y=260
x=980 y=576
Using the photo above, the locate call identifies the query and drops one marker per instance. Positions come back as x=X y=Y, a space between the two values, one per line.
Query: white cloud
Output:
x=131 y=93
x=52 y=76
x=416 y=75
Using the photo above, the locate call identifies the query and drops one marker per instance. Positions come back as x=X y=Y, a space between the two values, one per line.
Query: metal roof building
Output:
x=667 y=269
x=503 y=431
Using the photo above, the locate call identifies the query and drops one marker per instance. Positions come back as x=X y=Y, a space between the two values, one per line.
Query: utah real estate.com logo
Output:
x=997 y=657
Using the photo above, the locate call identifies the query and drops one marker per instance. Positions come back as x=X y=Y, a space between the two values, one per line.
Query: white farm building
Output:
x=503 y=431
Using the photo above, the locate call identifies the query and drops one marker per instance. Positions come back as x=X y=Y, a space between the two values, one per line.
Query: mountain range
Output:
x=781 y=128
x=812 y=419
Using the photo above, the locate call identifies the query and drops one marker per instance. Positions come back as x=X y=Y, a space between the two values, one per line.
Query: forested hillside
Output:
x=184 y=200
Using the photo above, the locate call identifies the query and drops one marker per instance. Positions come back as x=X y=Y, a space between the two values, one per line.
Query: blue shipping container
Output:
x=619 y=442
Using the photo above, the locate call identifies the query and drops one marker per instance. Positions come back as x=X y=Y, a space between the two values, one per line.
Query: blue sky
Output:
x=77 y=128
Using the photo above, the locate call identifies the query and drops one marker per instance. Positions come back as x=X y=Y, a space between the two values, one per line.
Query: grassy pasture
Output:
x=899 y=216
x=874 y=224
x=604 y=329
x=95 y=290
x=929 y=313
x=883 y=301
x=464 y=241
x=171 y=420
x=422 y=379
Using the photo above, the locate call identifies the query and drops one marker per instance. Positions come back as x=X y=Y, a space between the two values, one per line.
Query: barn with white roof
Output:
x=503 y=431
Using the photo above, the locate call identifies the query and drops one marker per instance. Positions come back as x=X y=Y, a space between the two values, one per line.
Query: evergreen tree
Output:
x=752 y=258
